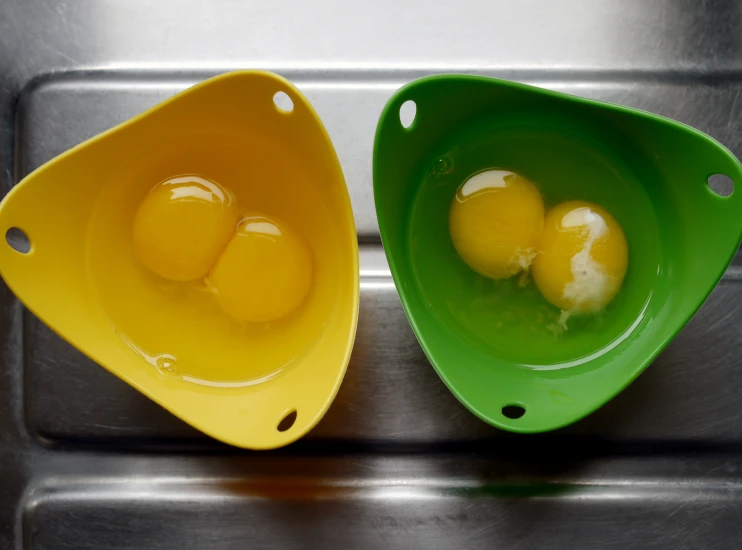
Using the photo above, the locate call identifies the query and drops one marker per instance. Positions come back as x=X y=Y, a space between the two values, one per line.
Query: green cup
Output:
x=493 y=342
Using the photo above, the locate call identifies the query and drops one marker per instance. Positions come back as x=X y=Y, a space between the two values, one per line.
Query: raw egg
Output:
x=264 y=272
x=496 y=220
x=182 y=226
x=582 y=259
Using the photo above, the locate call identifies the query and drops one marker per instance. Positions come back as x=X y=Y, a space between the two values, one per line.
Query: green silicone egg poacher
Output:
x=494 y=343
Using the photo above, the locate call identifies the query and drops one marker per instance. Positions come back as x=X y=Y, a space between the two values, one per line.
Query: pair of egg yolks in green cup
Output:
x=190 y=228
x=577 y=252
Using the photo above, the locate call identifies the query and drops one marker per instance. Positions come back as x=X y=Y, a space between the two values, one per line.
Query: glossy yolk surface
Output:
x=496 y=220
x=182 y=226
x=583 y=258
x=264 y=273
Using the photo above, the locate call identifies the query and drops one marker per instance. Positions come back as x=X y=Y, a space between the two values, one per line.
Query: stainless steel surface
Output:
x=87 y=462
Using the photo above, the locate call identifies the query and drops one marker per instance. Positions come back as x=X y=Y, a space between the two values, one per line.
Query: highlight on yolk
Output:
x=264 y=273
x=182 y=226
x=583 y=258
x=496 y=220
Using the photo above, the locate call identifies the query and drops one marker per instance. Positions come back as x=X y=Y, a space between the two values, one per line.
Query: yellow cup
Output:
x=253 y=385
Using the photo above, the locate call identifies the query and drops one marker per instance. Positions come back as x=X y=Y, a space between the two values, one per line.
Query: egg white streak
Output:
x=524 y=258
x=590 y=283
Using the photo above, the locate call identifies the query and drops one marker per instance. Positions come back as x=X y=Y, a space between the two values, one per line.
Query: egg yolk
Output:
x=182 y=226
x=264 y=272
x=496 y=220
x=583 y=258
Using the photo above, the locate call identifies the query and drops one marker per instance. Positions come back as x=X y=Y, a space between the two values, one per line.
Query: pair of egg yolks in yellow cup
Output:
x=189 y=228
x=577 y=252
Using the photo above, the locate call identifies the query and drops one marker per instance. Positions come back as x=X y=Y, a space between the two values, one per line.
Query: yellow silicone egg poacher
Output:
x=81 y=279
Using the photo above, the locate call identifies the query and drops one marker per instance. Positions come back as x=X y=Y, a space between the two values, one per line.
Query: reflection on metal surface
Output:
x=87 y=462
